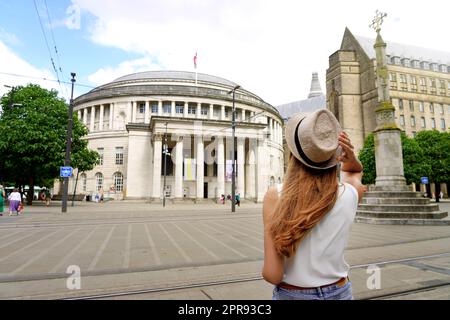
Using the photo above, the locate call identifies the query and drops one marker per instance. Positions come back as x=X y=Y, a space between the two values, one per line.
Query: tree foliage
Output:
x=416 y=160
x=33 y=137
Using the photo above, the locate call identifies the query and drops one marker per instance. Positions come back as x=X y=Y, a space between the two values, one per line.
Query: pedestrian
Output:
x=307 y=219
x=441 y=195
x=48 y=197
x=238 y=199
x=101 y=196
x=222 y=198
x=2 y=199
x=14 y=202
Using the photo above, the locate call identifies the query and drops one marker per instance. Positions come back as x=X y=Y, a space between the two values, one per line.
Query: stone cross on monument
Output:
x=391 y=201
x=388 y=146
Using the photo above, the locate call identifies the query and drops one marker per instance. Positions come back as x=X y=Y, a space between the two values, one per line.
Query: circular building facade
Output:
x=133 y=118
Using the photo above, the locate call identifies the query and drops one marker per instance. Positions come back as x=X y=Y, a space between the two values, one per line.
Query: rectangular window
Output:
x=440 y=107
x=421 y=108
x=400 y=104
x=179 y=108
x=442 y=84
x=433 y=123
x=422 y=122
x=403 y=78
x=100 y=152
x=432 y=83
x=204 y=111
x=154 y=106
x=192 y=109
x=167 y=107
x=393 y=77
x=414 y=134
x=119 y=155
x=413 y=121
x=83 y=182
x=423 y=82
x=141 y=107
x=226 y=113
x=413 y=79
x=431 y=108
x=443 y=124
x=411 y=105
x=402 y=120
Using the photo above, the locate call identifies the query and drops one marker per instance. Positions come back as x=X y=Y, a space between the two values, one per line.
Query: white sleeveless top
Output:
x=319 y=258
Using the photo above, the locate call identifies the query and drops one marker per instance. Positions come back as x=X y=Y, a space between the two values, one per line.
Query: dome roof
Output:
x=173 y=75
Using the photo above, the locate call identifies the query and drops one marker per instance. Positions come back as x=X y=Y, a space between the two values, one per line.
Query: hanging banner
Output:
x=190 y=169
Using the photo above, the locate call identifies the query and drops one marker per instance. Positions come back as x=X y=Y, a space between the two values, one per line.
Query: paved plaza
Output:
x=187 y=251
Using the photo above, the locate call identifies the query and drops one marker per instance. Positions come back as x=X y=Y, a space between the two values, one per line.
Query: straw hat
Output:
x=313 y=138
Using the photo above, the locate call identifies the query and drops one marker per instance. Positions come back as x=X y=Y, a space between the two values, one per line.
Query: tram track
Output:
x=181 y=287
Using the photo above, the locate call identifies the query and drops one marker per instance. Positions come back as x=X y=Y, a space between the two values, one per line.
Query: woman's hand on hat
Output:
x=347 y=156
x=347 y=153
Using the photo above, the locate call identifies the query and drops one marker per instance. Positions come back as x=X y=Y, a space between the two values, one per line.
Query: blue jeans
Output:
x=332 y=292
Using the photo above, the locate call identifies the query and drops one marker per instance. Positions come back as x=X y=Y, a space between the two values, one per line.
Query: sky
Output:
x=268 y=47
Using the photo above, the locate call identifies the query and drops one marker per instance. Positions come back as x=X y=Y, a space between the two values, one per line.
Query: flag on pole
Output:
x=195 y=60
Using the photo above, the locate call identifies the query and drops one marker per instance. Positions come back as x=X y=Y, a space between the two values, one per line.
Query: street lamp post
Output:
x=233 y=131
x=68 y=147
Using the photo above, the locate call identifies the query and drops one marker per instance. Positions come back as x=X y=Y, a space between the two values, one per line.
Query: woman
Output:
x=307 y=223
x=2 y=197
x=14 y=202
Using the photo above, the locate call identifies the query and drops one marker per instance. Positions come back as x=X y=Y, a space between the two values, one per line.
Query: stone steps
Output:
x=402 y=221
x=400 y=215
x=415 y=200
x=421 y=208
x=393 y=194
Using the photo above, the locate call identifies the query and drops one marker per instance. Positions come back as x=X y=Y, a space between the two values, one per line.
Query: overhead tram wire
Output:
x=48 y=47
x=54 y=45
x=45 y=79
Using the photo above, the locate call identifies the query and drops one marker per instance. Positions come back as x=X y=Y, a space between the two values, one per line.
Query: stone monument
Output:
x=391 y=201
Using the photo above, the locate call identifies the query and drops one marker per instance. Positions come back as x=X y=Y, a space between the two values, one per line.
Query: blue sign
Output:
x=65 y=172
x=424 y=180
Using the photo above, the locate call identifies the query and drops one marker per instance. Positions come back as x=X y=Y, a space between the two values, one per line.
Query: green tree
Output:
x=436 y=148
x=415 y=165
x=33 y=136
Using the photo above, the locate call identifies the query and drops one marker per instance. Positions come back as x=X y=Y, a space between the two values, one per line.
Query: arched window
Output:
x=98 y=181
x=118 y=181
x=83 y=182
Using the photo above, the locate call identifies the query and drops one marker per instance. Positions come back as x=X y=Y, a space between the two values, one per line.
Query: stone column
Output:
x=200 y=166
x=261 y=169
x=160 y=108
x=79 y=115
x=172 y=111
x=111 y=116
x=129 y=111
x=157 y=150
x=179 y=169
x=240 y=166
x=92 y=126
x=147 y=112
x=211 y=111
x=222 y=113
x=134 y=103
x=250 y=170
x=199 y=110
x=243 y=115
x=100 y=122
x=85 y=112
x=185 y=109
x=220 y=166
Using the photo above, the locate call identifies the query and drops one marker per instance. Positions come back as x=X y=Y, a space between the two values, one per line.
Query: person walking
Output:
x=15 y=200
x=238 y=199
x=48 y=197
x=307 y=220
x=2 y=199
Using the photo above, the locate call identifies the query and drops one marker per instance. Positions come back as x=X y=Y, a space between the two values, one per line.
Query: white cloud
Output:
x=9 y=38
x=269 y=47
x=11 y=65
x=107 y=74
x=73 y=21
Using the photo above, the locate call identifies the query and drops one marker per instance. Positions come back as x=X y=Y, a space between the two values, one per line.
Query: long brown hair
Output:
x=307 y=196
